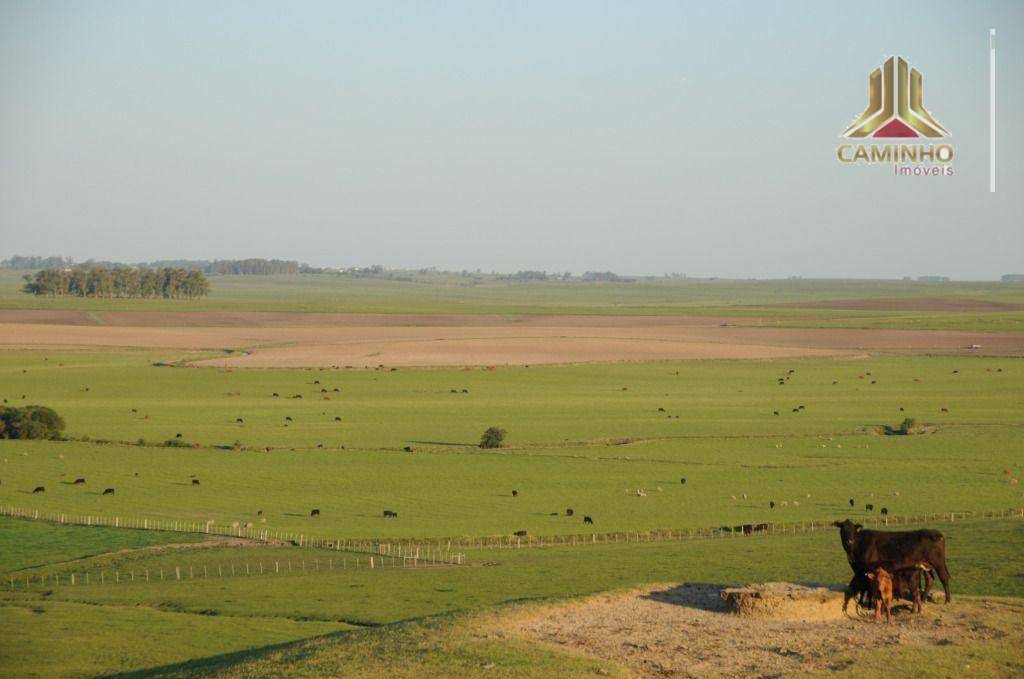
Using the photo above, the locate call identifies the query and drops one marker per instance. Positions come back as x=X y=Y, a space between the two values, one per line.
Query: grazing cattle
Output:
x=852 y=503
x=682 y=481
x=39 y=489
x=761 y=527
x=885 y=511
x=587 y=520
x=515 y=493
x=389 y=514
x=195 y=482
x=661 y=410
x=899 y=549
x=287 y=418
x=771 y=504
x=520 y=533
x=315 y=512
x=870 y=508
x=276 y=395
x=881 y=591
x=945 y=410
x=569 y=512
x=337 y=419
x=259 y=512
x=239 y=420
x=79 y=481
x=775 y=412
x=407 y=449
x=316 y=381
x=108 y=491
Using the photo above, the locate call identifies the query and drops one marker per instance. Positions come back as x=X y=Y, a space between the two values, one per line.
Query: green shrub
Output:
x=492 y=438
x=30 y=422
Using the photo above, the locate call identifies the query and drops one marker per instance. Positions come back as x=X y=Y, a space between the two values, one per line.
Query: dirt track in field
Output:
x=683 y=630
x=407 y=340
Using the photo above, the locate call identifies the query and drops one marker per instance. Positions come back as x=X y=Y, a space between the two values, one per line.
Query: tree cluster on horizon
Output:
x=168 y=283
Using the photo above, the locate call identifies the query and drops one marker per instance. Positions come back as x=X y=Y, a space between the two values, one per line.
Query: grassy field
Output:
x=585 y=437
x=488 y=295
x=986 y=558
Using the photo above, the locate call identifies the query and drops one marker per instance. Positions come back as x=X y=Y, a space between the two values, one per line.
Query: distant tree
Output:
x=492 y=438
x=30 y=422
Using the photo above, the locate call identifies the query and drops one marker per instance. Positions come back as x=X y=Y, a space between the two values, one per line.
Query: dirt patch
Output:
x=685 y=630
x=581 y=339
x=906 y=304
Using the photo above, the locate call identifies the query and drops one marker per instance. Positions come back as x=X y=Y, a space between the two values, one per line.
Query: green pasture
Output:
x=487 y=294
x=31 y=545
x=580 y=437
x=986 y=559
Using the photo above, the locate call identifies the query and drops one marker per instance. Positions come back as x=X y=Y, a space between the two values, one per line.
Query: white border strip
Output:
x=992 y=110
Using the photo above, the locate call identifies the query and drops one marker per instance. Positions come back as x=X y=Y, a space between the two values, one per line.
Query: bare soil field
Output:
x=488 y=340
x=684 y=630
x=906 y=304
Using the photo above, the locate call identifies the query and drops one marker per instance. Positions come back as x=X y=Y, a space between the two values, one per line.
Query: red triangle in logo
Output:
x=895 y=128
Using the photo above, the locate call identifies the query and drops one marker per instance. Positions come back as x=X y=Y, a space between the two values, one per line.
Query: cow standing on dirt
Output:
x=921 y=549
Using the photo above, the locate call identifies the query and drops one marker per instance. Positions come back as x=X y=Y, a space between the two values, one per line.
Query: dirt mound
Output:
x=687 y=630
x=784 y=601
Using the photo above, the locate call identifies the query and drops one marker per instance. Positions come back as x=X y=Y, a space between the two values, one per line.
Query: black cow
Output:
x=520 y=533
x=569 y=512
x=39 y=489
x=515 y=493
x=682 y=481
x=870 y=508
x=79 y=481
x=900 y=549
x=761 y=527
x=587 y=519
x=108 y=491
x=195 y=482
x=389 y=514
x=315 y=512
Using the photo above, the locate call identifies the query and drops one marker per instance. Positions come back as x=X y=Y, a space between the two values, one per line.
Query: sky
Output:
x=641 y=138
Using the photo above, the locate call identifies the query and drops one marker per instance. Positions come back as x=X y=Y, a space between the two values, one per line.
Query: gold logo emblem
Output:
x=895 y=105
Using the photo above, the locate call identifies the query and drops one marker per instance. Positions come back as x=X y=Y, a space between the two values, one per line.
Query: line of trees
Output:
x=122 y=282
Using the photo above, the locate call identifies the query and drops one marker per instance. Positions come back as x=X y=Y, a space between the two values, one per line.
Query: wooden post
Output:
x=177 y=572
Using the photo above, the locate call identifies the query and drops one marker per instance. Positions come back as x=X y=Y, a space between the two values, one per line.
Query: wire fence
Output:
x=191 y=572
x=442 y=550
x=434 y=551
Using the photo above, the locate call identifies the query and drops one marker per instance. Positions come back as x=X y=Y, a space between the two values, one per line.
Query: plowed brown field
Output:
x=313 y=340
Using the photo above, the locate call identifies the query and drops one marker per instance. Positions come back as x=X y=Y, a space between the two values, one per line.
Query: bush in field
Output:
x=908 y=425
x=30 y=422
x=492 y=438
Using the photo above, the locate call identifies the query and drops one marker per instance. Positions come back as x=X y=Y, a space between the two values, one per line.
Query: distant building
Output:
x=1006 y=278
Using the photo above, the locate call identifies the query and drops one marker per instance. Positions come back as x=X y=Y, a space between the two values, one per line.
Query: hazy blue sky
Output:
x=640 y=137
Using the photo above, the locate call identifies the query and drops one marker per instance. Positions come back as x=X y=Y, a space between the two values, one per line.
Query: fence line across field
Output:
x=439 y=550
x=193 y=571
